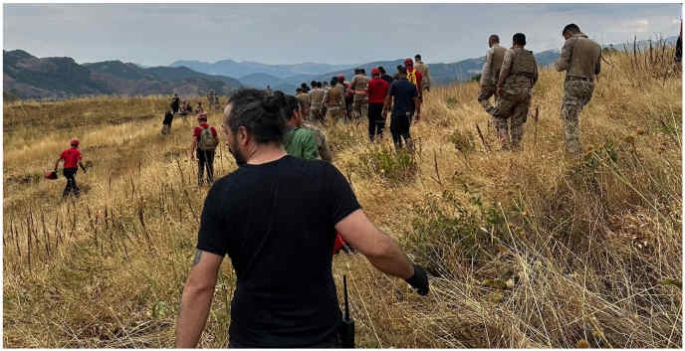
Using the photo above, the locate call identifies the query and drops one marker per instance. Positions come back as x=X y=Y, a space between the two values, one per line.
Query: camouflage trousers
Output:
x=316 y=113
x=486 y=92
x=509 y=116
x=577 y=94
x=334 y=113
x=360 y=107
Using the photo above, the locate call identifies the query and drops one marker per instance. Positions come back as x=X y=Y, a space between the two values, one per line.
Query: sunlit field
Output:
x=525 y=249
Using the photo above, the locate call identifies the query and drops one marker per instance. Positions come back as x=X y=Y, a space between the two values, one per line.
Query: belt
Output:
x=579 y=78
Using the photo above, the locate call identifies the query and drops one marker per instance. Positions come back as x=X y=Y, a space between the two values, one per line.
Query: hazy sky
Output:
x=158 y=34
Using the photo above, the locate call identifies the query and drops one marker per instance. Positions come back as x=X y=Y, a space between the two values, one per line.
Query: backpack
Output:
x=411 y=76
x=207 y=141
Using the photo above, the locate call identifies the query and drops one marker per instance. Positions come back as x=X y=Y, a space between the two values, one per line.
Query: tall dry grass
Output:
x=527 y=249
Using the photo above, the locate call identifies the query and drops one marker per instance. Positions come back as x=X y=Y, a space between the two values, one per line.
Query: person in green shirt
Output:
x=299 y=141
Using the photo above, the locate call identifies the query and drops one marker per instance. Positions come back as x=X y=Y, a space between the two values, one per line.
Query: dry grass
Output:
x=528 y=249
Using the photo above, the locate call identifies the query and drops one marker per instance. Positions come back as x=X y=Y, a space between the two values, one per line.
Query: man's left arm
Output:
x=197 y=298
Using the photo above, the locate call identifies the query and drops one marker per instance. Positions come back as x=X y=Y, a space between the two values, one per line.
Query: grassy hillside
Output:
x=528 y=249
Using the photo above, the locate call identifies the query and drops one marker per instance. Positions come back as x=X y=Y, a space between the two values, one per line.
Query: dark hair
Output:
x=291 y=104
x=334 y=81
x=261 y=114
x=519 y=39
x=417 y=57
x=298 y=90
x=357 y=70
x=494 y=38
x=363 y=71
x=572 y=28
x=313 y=83
x=401 y=69
x=380 y=68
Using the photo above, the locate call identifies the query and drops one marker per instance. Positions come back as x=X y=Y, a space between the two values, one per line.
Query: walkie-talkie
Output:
x=347 y=327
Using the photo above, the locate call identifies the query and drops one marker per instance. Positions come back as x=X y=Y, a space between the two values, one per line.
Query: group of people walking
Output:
x=371 y=98
x=279 y=214
x=510 y=75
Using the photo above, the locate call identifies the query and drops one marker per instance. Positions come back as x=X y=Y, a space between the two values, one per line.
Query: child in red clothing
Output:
x=72 y=159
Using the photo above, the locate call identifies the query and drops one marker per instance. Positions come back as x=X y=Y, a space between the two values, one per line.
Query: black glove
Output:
x=419 y=281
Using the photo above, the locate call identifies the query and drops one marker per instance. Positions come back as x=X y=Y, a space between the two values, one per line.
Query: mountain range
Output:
x=26 y=76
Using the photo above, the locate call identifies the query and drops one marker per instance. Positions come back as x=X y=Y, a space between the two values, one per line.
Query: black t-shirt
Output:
x=404 y=93
x=276 y=221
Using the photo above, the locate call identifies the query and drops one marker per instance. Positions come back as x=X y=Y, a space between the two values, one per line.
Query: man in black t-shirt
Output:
x=404 y=97
x=276 y=217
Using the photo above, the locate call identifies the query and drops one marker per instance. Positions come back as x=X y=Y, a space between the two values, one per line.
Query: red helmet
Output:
x=341 y=78
x=202 y=115
x=51 y=175
x=408 y=62
x=74 y=142
x=375 y=72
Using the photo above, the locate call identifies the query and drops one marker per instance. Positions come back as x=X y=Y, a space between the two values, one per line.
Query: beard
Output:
x=235 y=151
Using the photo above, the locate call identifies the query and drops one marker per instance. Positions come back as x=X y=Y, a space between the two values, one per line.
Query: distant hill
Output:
x=242 y=69
x=260 y=80
x=441 y=73
x=26 y=76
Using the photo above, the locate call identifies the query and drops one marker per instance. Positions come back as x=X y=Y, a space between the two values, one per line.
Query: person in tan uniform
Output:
x=316 y=102
x=303 y=98
x=334 y=101
x=423 y=68
x=516 y=80
x=358 y=86
x=581 y=59
x=490 y=73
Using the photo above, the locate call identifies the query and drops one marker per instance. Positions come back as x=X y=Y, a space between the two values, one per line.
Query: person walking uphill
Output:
x=72 y=160
x=205 y=141
x=276 y=217
x=299 y=142
x=406 y=104
x=425 y=74
x=516 y=80
x=490 y=73
x=581 y=59
x=377 y=91
x=175 y=104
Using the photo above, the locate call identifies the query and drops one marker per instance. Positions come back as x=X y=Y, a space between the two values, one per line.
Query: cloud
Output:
x=157 y=34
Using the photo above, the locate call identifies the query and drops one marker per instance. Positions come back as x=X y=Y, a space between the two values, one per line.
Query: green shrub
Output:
x=396 y=167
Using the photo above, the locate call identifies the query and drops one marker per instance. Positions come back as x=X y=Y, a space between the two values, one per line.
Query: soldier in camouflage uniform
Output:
x=423 y=68
x=321 y=143
x=210 y=99
x=490 y=74
x=360 y=102
x=580 y=58
x=334 y=101
x=303 y=98
x=518 y=76
x=316 y=102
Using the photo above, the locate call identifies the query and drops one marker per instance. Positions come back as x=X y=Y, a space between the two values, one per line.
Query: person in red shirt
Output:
x=72 y=159
x=377 y=90
x=415 y=77
x=204 y=146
